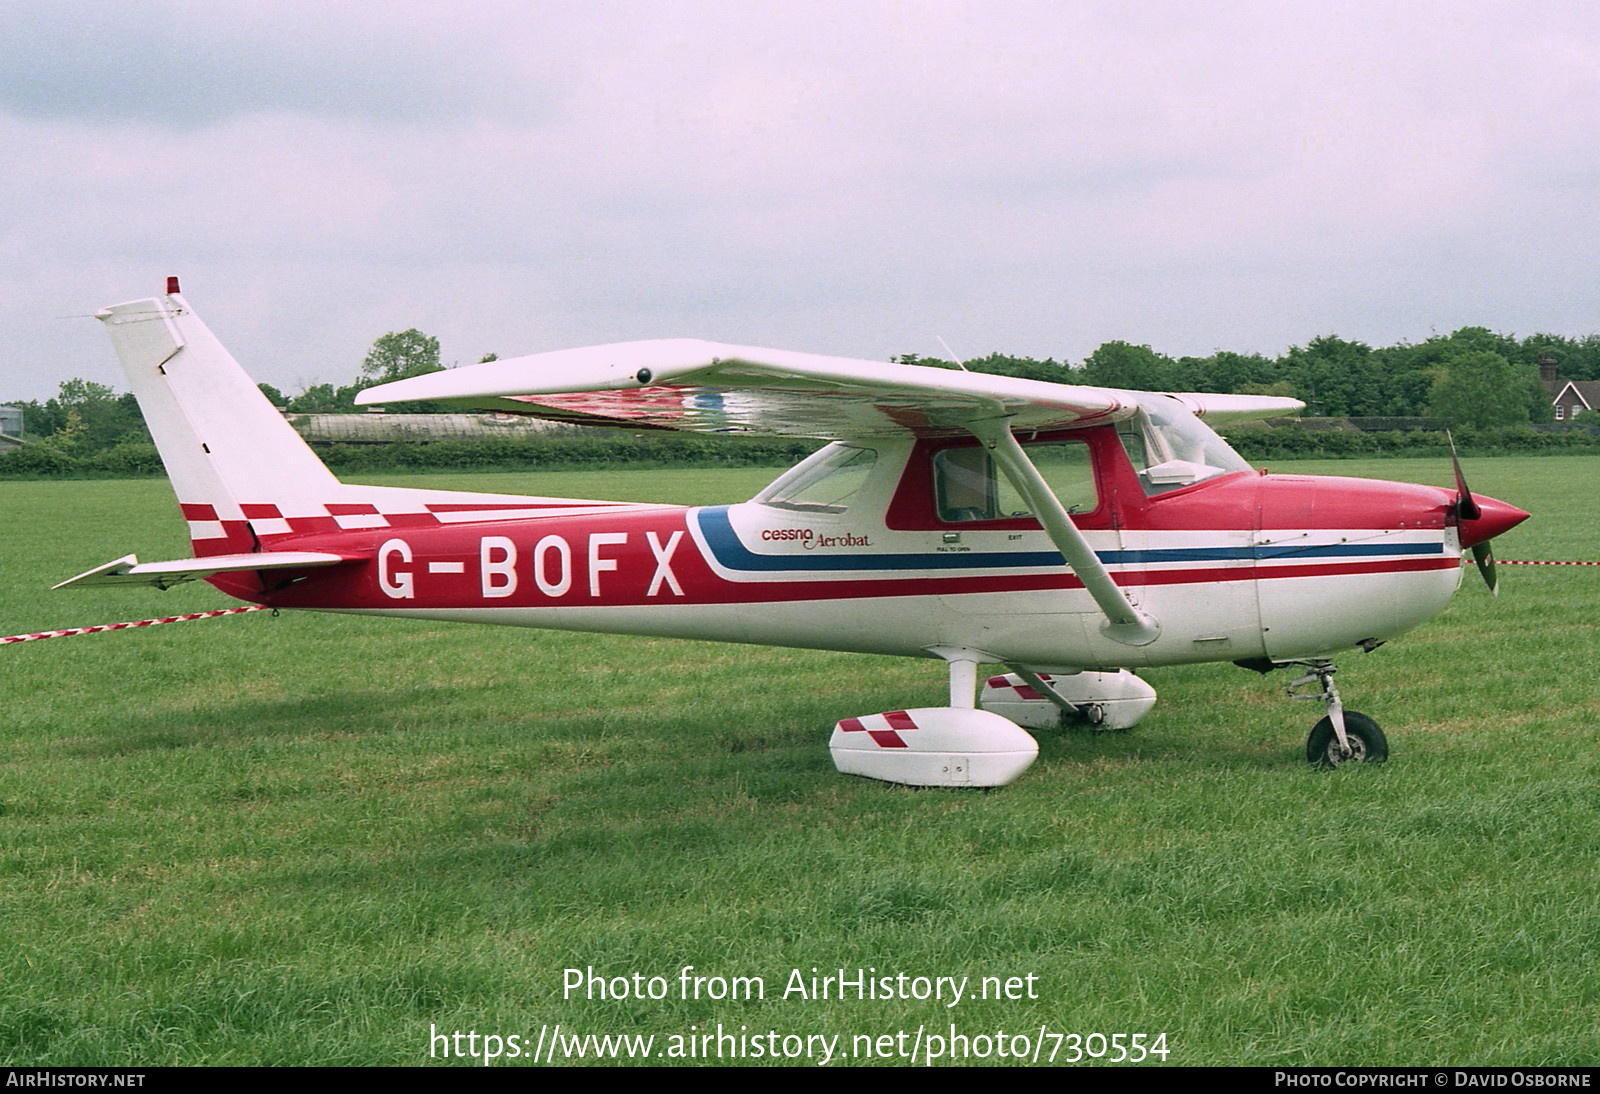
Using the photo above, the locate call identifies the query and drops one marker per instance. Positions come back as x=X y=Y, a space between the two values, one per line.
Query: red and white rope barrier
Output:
x=1540 y=562
x=126 y=626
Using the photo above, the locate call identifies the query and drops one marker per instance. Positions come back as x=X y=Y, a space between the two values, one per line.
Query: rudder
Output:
x=224 y=445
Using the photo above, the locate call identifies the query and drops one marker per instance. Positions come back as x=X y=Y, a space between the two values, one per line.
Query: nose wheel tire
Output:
x=1367 y=743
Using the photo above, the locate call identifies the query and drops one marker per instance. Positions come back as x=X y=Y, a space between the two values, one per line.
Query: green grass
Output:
x=308 y=839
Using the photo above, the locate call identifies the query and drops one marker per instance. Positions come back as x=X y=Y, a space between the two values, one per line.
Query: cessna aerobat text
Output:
x=1071 y=534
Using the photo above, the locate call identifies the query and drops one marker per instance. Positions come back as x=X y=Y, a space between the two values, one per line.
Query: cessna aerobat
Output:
x=1071 y=534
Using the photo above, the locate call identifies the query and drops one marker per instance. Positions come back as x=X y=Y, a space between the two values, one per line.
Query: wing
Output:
x=714 y=388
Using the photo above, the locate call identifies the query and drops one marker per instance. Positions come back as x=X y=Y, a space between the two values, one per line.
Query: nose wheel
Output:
x=1344 y=736
x=1364 y=742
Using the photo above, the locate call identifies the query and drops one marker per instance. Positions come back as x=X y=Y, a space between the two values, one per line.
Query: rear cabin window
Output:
x=969 y=487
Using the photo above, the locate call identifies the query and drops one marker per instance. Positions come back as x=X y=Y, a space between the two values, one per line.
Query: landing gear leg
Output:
x=1343 y=736
x=963 y=683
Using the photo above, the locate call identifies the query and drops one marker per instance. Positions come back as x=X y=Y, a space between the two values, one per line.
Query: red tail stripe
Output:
x=513 y=503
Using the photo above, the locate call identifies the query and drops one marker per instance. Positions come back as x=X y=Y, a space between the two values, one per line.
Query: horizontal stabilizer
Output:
x=128 y=570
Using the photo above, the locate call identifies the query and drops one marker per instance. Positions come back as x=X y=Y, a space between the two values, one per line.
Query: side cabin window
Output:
x=1170 y=448
x=968 y=486
x=825 y=482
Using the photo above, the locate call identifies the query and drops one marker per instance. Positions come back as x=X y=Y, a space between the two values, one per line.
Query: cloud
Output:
x=185 y=65
x=1030 y=178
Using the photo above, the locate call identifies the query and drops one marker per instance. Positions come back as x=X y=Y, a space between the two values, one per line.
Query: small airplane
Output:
x=1071 y=534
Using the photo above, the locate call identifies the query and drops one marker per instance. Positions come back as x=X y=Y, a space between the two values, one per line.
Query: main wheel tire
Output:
x=1367 y=742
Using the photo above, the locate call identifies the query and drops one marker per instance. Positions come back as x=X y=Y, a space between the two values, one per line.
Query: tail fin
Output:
x=226 y=448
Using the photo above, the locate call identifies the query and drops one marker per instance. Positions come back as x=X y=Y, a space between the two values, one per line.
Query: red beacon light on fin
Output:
x=172 y=286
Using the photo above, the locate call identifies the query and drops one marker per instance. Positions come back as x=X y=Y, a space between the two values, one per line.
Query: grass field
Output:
x=313 y=839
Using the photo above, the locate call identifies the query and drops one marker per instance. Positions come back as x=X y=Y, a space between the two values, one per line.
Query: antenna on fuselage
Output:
x=960 y=364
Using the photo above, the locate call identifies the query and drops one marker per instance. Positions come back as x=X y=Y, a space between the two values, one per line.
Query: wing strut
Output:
x=1124 y=623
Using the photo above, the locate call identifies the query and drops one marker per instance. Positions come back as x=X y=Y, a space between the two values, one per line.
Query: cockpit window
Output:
x=969 y=487
x=824 y=483
x=1171 y=448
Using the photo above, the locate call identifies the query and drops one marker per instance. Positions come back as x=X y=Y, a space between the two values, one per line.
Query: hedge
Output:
x=623 y=449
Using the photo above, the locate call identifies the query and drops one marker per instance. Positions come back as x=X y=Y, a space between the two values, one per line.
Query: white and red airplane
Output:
x=1072 y=534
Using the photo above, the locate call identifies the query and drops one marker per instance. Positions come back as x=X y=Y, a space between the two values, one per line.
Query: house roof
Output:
x=1587 y=392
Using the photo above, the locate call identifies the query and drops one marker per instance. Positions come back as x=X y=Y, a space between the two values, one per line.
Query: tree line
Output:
x=1472 y=378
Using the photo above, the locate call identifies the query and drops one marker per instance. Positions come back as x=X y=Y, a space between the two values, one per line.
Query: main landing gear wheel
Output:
x=1367 y=744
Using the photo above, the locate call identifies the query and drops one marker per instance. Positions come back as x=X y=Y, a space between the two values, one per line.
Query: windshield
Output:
x=824 y=483
x=1171 y=448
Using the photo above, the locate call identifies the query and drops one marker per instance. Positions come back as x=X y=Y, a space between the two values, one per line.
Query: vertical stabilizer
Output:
x=243 y=476
x=227 y=449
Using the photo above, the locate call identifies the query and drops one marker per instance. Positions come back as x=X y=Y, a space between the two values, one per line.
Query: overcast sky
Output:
x=851 y=178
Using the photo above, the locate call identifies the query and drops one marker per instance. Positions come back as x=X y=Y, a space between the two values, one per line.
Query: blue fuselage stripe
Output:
x=731 y=553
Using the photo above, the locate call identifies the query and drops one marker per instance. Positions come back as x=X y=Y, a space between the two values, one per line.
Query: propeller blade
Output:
x=1483 y=555
x=1466 y=508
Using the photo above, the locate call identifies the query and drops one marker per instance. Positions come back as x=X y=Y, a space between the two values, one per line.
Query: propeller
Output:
x=1467 y=509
